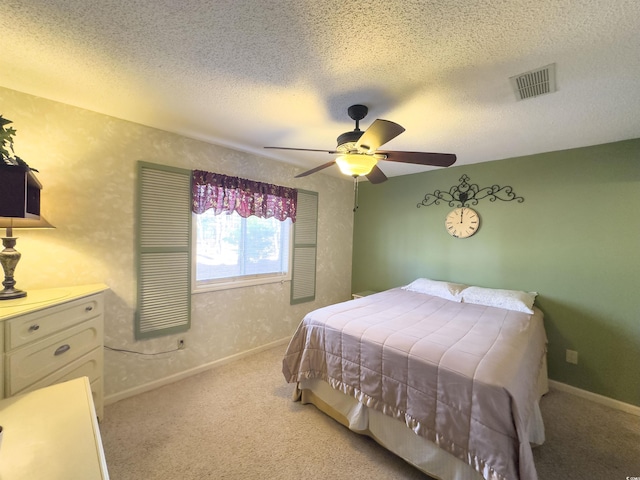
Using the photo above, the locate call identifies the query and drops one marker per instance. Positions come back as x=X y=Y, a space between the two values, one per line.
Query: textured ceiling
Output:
x=248 y=74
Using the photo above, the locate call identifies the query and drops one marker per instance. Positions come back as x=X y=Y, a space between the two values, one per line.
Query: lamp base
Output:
x=11 y=293
x=9 y=258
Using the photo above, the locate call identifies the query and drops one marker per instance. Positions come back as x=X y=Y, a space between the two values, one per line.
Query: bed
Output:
x=446 y=376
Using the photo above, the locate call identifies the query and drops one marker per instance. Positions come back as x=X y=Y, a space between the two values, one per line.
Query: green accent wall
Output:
x=575 y=240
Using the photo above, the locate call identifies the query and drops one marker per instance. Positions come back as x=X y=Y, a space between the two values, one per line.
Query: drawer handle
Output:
x=88 y=309
x=62 y=349
x=34 y=327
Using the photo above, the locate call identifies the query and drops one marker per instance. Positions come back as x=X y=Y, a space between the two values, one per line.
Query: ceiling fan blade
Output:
x=317 y=169
x=379 y=133
x=420 y=158
x=376 y=175
x=303 y=149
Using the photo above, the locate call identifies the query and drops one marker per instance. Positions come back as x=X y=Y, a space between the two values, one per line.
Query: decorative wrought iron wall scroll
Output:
x=466 y=194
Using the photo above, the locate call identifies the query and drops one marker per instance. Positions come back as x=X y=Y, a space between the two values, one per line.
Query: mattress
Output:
x=463 y=377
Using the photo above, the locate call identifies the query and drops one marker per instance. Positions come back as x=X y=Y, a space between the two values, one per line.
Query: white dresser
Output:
x=53 y=434
x=51 y=336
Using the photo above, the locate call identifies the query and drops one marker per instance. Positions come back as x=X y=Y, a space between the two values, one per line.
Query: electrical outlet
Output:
x=181 y=345
x=572 y=357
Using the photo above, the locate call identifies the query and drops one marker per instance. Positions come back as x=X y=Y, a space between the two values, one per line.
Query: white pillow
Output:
x=507 y=299
x=446 y=290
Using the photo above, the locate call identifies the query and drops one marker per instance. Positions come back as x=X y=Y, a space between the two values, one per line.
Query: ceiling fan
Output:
x=357 y=151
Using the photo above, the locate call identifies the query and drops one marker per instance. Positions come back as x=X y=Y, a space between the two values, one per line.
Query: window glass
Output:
x=234 y=251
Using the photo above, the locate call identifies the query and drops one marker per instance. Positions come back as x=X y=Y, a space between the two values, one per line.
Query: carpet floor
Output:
x=237 y=421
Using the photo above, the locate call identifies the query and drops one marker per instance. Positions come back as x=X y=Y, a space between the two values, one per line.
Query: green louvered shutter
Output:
x=305 y=234
x=164 y=250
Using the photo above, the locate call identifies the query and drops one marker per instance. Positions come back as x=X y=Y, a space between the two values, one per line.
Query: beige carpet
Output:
x=238 y=422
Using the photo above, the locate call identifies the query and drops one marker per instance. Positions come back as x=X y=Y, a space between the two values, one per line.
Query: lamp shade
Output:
x=10 y=222
x=356 y=164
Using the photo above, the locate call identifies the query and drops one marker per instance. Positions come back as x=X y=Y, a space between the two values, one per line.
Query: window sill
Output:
x=214 y=287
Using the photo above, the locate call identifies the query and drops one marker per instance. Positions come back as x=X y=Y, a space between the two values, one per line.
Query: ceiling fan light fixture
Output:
x=356 y=165
x=357 y=151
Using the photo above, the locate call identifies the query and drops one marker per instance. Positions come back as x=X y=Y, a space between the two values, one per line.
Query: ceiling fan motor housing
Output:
x=347 y=141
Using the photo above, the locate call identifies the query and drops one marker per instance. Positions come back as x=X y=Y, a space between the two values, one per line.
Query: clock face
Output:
x=462 y=222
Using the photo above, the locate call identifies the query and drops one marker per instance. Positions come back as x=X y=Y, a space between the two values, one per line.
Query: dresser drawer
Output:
x=32 y=363
x=89 y=365
x=34 y=326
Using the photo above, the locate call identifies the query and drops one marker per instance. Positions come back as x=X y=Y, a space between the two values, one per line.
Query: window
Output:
x=232 y=251
x=242 y=231
x=179 y=251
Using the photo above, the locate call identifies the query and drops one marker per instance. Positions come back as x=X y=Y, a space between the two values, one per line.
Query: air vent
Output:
x=534 y=83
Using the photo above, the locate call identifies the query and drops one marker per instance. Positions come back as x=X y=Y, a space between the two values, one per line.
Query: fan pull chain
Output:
x=355 y=193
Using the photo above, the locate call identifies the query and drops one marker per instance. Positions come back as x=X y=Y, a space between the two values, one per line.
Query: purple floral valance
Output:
x=247 y=197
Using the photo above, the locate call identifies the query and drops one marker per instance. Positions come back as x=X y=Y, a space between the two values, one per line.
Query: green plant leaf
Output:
x=6 y=137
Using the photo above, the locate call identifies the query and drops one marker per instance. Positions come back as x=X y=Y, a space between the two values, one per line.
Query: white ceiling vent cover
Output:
x=534 y=83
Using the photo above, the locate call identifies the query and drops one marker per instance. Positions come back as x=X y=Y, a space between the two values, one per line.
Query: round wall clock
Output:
x=462 y=222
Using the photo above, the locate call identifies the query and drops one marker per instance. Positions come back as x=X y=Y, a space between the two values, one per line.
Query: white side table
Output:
x=52 y=433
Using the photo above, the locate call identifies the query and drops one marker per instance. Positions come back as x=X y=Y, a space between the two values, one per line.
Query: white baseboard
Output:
x=594 y=397
x=187 y=373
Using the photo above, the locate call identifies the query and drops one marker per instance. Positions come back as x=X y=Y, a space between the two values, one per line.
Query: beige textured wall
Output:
x=87 y=164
